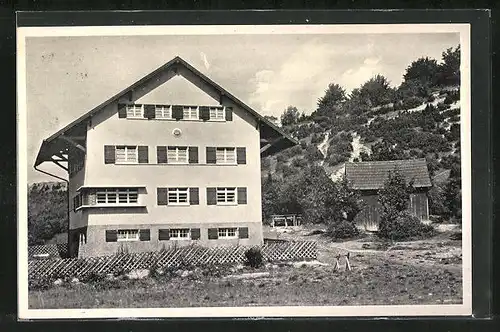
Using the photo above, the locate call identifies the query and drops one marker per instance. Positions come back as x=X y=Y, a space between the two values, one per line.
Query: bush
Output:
x=342 y=229
x=253 y=257
x=403 y=226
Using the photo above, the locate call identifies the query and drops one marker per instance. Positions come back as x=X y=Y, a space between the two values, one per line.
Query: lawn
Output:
x=418 y=272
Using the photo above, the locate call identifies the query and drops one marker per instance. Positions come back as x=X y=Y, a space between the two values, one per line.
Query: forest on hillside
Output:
x=420 y=118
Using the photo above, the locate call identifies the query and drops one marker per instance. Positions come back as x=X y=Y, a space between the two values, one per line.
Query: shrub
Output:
x=342 y=229
x=403 y=226
x=412 y=102
x=253 y=257
x=40 y=284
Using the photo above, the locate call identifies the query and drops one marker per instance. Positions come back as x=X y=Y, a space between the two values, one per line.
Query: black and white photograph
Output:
x=236 y=171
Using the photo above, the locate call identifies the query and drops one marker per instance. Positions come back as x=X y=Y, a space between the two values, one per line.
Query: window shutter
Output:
x=149 y=111
x=213 y=234
x=142 y=152
x=163 y=234
x=194 y=197
x=193 y=154
x=211 y=159
x=243 y=232
x=111 y=235
x=109 y=154
x=122 y=111
x=195 y=233
x=161 y=155
x=144 y=235
x=211 y=196
x=241 y=155
x=229 y=114
x=204 y=113
x=162 y=196
x=242 y=195
x=177 y=112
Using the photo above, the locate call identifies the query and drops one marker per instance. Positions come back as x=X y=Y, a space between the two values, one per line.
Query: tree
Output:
x=450 y=68
x=395 y=194
x=424 y=70
x=330 y=103
x=272 y=119
x=290 y=116
x=376 y=91
x=396 y=222
x=270 y=197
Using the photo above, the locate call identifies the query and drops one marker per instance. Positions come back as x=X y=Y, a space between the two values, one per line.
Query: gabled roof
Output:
x=371 y=175
x=49 y=146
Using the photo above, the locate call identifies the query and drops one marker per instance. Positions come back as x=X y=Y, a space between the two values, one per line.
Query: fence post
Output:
x=347 y=264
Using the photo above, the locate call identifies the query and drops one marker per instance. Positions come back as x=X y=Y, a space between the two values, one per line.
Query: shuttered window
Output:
x=178 y=196
x=225 y=156
x=135 y=111
x=163 y=112
x=179 y=234
x=127 y=235
x=117 y=196
x=217 y=114
x=126 y=155
x=226 y=196
x=227 y=233
x=190 y=113
x=177 y=155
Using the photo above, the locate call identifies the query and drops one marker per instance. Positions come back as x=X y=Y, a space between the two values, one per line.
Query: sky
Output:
x=68 y=76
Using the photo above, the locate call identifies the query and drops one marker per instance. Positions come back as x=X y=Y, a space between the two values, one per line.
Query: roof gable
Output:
x=176 y=66
x=372 y=175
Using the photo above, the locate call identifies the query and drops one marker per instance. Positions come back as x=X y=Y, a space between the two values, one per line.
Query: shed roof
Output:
x=52 y=144
x=371 y=175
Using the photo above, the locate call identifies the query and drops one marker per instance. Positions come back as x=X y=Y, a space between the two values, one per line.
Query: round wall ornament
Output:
x=177 y=132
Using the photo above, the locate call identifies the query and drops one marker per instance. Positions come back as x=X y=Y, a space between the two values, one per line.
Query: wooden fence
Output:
x=192 y=256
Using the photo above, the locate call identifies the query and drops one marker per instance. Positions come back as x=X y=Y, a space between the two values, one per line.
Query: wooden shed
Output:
x=369 y=177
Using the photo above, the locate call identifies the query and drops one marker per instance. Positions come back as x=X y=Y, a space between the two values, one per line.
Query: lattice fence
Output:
x=193 y=255
x=48 y=251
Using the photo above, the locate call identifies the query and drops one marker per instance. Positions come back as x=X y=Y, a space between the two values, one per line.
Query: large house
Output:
x=369 y=177
x=143 y=177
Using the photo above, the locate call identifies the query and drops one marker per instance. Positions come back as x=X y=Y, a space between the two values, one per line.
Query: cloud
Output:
x=355 y=76
x=299 y=81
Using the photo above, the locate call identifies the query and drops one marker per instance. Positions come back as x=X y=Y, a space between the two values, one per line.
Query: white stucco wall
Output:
x=107 y=129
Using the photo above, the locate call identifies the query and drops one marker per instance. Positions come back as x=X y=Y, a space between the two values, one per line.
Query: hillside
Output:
x=418 y=119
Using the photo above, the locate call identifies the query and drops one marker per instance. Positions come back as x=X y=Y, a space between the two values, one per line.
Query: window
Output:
x=179 y=234
x=135 y=111
x=178 y=196
x=190 y=113
x=177 y=155
x=226 y=196
x=225 y=156
x=117 y=196
x=128 y=235
x=217 y=113
x=126 y=154
x=163 y=112
x=227 y=233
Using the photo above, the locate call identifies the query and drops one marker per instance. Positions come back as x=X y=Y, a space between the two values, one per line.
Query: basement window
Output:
x=179 y=234
x=128 y=235
x=227 y=233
